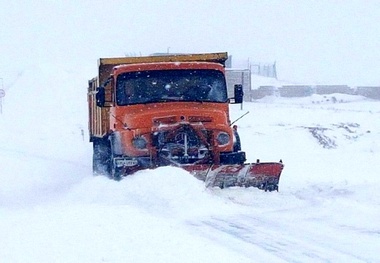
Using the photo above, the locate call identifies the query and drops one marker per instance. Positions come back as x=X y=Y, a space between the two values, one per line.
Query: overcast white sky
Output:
x=335 y=42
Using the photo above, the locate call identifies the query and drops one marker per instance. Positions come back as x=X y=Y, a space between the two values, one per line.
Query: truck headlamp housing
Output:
x=223 y=138
x=139 y=142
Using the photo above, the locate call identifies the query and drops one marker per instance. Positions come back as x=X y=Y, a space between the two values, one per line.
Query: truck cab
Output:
x=154 y=111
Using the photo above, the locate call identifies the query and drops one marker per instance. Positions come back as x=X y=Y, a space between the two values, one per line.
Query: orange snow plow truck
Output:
x=170 y=110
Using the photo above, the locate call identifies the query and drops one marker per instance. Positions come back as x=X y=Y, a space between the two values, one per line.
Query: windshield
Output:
x=170 y=85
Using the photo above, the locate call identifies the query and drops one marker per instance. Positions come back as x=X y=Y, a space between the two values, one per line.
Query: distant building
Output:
x=262 y=91
x=228 y=62
x=238 y=76
x=369 y=92
x=330 y=89
x=295 y=91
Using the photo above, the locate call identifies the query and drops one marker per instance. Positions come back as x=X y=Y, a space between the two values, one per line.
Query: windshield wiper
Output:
x=163 y=99
x=176 y=99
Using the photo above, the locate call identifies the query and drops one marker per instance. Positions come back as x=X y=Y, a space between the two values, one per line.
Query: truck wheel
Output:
x=115 y=174
x=101 y=161
x=237 y=144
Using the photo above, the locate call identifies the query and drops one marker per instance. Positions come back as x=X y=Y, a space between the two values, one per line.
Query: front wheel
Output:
x=116 y=173
x=101 y=161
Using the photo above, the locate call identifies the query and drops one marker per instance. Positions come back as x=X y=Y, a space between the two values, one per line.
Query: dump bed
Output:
x=99 y=117
x=106 y=64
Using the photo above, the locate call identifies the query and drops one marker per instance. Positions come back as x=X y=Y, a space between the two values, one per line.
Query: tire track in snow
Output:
x=287 y=241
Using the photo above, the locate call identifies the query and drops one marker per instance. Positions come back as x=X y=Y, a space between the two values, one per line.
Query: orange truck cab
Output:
x=146 y=112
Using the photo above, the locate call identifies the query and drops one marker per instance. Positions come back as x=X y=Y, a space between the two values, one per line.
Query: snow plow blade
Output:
x=264 y=176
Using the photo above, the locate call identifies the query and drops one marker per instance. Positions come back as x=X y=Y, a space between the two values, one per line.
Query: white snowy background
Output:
x=52 y=209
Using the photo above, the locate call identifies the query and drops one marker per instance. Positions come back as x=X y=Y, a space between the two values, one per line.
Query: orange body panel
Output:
x=143 y=119
x=101 y=120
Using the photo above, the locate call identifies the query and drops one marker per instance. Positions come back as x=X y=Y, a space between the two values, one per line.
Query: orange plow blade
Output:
x=264 y=176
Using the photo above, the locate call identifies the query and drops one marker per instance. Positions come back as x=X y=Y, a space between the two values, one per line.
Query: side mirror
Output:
x=238 y=93
x=100 y=97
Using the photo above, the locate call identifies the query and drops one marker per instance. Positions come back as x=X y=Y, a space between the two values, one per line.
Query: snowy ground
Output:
x=53 y=210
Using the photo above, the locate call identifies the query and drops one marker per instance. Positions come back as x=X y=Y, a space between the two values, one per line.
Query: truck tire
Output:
x=237 y=143
x=101 y=161
x=116 y=173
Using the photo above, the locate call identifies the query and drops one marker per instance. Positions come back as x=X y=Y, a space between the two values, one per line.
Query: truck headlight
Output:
x=223 y=138
x=139 y=142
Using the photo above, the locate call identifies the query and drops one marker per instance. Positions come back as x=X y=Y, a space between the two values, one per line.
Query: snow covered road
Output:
x=327 y=210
